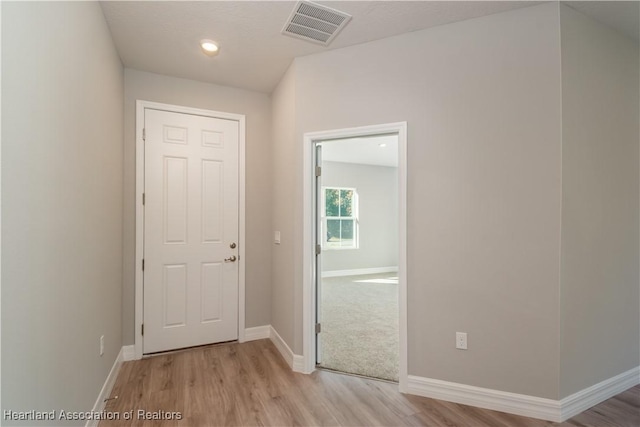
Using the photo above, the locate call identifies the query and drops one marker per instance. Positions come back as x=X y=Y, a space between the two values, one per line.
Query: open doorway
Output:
x=357 y=223
x=311 y=248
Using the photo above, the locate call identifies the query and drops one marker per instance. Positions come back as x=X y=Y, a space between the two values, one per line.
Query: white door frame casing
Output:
x=309 y=237
x=139 y=302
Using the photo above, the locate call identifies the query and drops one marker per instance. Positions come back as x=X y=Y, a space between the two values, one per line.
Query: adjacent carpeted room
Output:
x=360 y=325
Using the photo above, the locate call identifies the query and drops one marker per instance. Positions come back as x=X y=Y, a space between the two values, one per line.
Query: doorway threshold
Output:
x=181 y=350
x=349 y=374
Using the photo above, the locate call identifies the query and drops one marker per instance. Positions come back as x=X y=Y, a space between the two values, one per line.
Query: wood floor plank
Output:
x=441 y=413
x=312 y=397
x=250 y=384
x=342 y=401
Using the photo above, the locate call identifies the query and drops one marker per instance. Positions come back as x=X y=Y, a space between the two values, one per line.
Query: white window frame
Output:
x=354 y=217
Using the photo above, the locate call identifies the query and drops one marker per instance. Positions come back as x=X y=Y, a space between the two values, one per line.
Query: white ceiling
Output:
x=162 y=36
x=363 y=150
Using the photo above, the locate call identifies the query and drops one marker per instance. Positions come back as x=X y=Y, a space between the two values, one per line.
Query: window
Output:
x=340 y=218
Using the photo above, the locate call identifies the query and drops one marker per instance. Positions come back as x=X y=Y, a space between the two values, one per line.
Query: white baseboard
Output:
x=520 y=404
x=106 y=388
x=282 y=346
x=584 y=399
x=128 y=353
x=359 y=271
x=296 y=362
x=257 y=333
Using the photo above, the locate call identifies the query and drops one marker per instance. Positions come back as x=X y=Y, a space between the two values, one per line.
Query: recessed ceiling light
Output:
x=209 y=47
x=382 y=145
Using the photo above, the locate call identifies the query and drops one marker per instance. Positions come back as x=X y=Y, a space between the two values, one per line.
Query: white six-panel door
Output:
x=190 y=230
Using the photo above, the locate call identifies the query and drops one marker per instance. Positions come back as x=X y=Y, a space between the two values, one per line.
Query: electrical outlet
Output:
x=461 y=340
x=101 y=345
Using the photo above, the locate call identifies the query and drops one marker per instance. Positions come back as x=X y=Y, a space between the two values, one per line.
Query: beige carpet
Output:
x=360 y=325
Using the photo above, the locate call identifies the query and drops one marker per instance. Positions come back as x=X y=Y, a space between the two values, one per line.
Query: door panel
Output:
x=212 y=192
x=175 y=199
x=174 y=282
x=191 y=219
x=211 y=288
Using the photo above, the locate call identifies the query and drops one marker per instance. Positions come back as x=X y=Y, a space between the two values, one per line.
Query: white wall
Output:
x=62 y=98
x=600 y=330
x=482 y=99
x=377 y=188
x=257 y=109
x=282 y=206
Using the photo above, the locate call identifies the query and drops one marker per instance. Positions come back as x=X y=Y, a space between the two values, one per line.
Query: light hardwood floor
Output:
x=250 y=384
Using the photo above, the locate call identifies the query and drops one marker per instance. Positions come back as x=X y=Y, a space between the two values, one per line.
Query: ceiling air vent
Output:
x=315 y=23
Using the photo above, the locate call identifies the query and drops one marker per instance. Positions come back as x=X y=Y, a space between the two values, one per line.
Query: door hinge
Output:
x=318 y=328
x=142 y=329
x=318 y=249
x=142 y=264
x=143 y=198
x=144 y=134
x=318 y=171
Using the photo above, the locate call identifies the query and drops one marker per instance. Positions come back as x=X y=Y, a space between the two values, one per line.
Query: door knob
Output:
x=231 y=259
x=232 y=246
